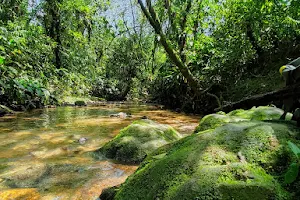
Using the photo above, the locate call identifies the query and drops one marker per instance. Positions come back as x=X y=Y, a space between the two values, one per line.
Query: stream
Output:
x=42 y=155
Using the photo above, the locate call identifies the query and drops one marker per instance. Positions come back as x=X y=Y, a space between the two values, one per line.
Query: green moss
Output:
x=137 y=140
x=240 y=160
x=260 y=113
x=215 y=120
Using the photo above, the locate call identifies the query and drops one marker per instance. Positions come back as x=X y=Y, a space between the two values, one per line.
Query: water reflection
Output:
x=41 y=149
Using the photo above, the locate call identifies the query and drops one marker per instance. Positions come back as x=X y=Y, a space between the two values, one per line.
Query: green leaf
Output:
x=39 y=92
x=2 y=60
x=294 y=149
x=11 y=41
x=13 y=70
x=292 y=173
x=30 y=89
x=160 y=156
x=46 y=93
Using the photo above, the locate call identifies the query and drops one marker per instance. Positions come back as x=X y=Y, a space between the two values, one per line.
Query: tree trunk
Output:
x=175 y=58
x=264 y=99
x=53 y=27
x=152 y=18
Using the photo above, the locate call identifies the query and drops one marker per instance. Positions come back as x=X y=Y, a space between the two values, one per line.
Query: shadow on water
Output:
x=41 y=156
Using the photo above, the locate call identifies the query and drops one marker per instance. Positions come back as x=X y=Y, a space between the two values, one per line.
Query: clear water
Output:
x=41 y=150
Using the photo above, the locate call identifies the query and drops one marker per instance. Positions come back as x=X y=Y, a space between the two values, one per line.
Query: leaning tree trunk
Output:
x=175 y=58
x=264 y=99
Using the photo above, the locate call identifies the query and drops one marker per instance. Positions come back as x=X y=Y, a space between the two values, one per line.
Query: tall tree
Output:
x=52 y=24
x=177 y=59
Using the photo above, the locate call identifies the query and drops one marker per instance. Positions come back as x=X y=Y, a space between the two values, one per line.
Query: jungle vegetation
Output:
x=190 y=54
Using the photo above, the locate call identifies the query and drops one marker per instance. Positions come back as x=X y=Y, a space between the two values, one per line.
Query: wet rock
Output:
x=178 y=110
x=121 y=115
x=109 y=193
x=161 y=107
x=16 y=107
x=67 y=104
x=50 y=106
x=144 y=117
x=82 y=140
x=24 y=176
x=80 y=103
x=20 y=194
x=236 y=160
x=137 y=140
x=119 y=172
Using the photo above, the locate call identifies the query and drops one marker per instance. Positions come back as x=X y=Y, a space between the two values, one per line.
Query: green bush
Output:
x=107 y=89
x=25 y=92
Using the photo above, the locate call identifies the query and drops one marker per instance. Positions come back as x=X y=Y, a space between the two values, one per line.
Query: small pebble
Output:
x=82 y=140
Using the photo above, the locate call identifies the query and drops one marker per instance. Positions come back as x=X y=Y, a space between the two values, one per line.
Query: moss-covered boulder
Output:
x=137 y=140
x=260 y=113
x=215 y=120
x=239 y=160
x=5 y=110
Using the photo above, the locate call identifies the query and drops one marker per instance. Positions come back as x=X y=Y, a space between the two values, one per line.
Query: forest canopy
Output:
x=50 y=49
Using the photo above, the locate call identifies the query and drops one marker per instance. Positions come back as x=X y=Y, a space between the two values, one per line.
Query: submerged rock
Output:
x=137 y=140
x=82 y=140
x=240 y=159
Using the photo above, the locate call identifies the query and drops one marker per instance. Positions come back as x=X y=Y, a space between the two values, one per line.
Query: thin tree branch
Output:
x=182 y=37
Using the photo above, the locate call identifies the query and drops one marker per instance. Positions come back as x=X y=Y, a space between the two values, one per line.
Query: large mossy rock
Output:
x=137 y=140
x=239 y=160
x=260 y=113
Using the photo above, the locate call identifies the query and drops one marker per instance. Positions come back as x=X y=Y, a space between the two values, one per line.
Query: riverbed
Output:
x=43 y=156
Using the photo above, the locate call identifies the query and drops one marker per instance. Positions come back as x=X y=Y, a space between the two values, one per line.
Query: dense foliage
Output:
x=232 y=47
x=50 y=49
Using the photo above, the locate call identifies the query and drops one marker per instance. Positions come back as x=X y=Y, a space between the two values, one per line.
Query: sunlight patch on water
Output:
x=20 y=194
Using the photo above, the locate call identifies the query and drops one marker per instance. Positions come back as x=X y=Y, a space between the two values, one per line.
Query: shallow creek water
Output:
x=40 y=149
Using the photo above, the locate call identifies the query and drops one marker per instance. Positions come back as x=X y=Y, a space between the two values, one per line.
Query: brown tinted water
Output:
x=41 y=157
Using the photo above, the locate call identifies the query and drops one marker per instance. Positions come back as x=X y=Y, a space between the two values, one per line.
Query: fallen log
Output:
x=263 y=99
